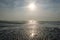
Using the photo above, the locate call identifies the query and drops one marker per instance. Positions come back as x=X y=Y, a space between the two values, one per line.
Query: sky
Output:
x=17 y=10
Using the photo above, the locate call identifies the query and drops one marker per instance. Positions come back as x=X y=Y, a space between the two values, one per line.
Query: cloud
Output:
x=6 y=3
x=49 y=9
x=55 y=1
x=11 y=3
x=20 y=3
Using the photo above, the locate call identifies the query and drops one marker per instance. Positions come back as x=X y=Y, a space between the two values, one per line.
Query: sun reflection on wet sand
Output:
x=32 y=34
x=32 y=22
x=32 y=25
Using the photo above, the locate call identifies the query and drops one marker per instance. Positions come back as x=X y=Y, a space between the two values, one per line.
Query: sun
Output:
x=32 y=6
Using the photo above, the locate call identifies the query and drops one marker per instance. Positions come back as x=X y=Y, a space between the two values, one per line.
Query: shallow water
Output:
x=28 y=31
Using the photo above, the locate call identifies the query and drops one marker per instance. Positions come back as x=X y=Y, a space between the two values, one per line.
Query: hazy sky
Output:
x=15 y=10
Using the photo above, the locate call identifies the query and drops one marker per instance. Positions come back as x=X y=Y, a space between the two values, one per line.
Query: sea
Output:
x=32 y=30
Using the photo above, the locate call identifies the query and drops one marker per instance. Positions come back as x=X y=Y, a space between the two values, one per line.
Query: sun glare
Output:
x=32 y=6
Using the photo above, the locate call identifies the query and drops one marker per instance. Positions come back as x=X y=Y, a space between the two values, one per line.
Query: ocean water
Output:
x=30 y=31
